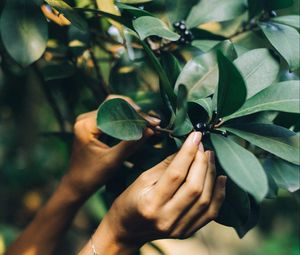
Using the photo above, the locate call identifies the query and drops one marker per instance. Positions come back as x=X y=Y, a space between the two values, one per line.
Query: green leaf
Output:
x=290 y=20
x=215 y=10
x=201 y=74
x=69 y=13
x=232 y=91
x=275 y=139
x=200 y=110
x=238 y=210
x=58 y=71
x=171 y=66
x=277 y=4
x=241 y=166
x=285 y=40
x=205 y=45
x=147 y=26
x=182 y=124
x=259 y=69
x=134 y=11
x=165 y=84
x=254 y=7
x=135 y=1
x=24 y=31
x=118 y=119
x=283 y=96
x=285 y=175
x=179 y=9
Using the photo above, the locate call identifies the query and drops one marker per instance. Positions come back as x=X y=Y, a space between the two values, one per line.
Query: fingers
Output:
x=178 y=170
x=213 y=209
x=192 y=188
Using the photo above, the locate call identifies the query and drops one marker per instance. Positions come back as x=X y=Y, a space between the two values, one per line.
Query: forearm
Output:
x=50 y=224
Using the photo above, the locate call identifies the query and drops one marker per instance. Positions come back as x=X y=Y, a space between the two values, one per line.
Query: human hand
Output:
x=174 y=199
x=92 y=161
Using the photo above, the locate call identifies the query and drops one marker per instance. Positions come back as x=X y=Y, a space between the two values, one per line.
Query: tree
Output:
x=226 y=68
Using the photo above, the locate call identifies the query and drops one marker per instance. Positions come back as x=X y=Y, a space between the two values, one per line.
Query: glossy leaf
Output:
x=215 y=10
x=274 y=139
x=118 y=119
x=282 y=97
x=179 y=9
x=200 y=110
x=201 y=74
x=238 y=210
x=259 y=69
x=285 y=174
x=232 y=91
x=182 y=124
x=290 y=20
x=24 y=31
x=285 y=40
x=205 y=45
x=277 y=4
x=69 y=13
x=135 y=1
x=149 y=26
x=171 y=66
x=241 y=166
x=134 y=11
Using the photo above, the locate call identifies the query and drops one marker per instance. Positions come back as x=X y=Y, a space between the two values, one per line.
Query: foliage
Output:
x=226 y=68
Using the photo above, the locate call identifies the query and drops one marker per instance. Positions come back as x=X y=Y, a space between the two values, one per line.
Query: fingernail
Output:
x=201 y=147
x=197 y=138
x=156 y=120
x=212 y=157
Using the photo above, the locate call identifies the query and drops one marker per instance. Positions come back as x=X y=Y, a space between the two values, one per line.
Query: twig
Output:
x=51 y=100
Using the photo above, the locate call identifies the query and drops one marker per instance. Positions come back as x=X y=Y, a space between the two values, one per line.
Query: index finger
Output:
x=178 y=170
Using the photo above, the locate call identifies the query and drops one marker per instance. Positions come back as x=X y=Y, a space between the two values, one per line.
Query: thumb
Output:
x=124 y=149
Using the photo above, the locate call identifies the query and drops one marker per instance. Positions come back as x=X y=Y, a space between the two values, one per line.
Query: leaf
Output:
x=200 y=75
x=149 y=26
x=215 y=10
x=275 y=139
x=69 y=13
x=24 y=31
x=232 y=91
x=241 y=166
x=182 y=124
x=290 y=20
x=118 y=119
x=238 y=210
x=259 y=69
x=200 y=110
x=285 y=175
x=171 y=66
x=285 y=40
x=277 y=4
x=135 y=1
x=179 y=9
x=205 y=45
x=165 y=84
x=283 y=96
x=134 y=11
x=254 y=7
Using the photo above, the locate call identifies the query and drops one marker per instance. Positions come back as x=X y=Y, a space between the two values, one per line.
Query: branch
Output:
x=50 y=98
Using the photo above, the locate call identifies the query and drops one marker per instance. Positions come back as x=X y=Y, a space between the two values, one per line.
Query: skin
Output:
x=174 y=199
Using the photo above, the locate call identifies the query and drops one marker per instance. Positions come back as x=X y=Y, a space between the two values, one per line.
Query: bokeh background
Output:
x=36 y=119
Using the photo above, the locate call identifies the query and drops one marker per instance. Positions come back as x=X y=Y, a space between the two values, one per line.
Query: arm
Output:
x=172 y=200
x=92 y=164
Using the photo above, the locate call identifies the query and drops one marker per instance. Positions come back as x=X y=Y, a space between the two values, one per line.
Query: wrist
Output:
x=107 y=241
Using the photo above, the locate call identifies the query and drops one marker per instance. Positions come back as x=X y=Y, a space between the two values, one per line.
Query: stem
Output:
x=51 y=100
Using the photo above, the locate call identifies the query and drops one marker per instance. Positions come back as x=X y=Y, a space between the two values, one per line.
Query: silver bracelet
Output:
x=93 y=247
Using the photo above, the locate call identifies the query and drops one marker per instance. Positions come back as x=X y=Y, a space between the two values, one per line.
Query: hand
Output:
x=92 y=161
x=174 y=199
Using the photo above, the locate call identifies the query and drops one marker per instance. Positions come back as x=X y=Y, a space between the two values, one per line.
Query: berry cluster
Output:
x=186 y=36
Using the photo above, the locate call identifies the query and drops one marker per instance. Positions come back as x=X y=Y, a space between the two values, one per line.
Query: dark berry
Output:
x=224 y=133
x=182 y=28
x=188 y=35
x=201 y=126
x=182 y=40
x=273 y=14
x=176 y=25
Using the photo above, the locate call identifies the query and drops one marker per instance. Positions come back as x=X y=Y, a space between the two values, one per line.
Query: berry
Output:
x=201 y=126
x=182 y=28
x=224 y=133
x=176 y=24
x=273 y=14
